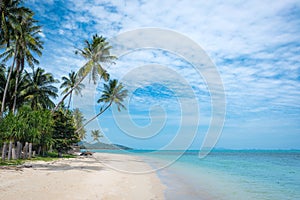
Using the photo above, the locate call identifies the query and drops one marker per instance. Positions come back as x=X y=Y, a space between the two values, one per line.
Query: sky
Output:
x=249 y=65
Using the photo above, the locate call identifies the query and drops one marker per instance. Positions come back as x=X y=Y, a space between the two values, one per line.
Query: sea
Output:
x=226 y=174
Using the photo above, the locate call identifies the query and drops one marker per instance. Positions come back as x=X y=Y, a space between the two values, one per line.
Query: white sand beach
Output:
x=81 y=178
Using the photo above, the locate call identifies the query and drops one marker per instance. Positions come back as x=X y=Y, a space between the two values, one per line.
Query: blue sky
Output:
x=254 y=45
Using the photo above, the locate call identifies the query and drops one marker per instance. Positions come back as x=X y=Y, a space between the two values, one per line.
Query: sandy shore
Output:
x=81 y=178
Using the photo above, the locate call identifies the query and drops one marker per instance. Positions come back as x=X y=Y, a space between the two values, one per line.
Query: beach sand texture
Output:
x=81 y=178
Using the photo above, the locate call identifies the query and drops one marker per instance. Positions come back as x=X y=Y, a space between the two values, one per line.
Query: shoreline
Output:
x=82 y=178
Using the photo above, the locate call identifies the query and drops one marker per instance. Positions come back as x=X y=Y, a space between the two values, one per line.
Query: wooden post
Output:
x=19 y=150
x=13 y=152
x=9 y=150
x=4 y=150
x=25 y=150
x=30 y=150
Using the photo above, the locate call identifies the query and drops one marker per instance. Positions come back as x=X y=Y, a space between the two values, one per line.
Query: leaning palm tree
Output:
x=40 y=89
x=112 y=93
x=96 y=53
x=70 y=82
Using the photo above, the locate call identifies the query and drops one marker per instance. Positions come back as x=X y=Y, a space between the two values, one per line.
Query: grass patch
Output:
x=11 y=162
x=49 y=157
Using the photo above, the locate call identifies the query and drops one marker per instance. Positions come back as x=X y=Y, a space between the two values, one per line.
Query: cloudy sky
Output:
x=251 y=47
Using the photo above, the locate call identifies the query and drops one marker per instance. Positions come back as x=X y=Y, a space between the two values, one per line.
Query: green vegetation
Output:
x=31 y=124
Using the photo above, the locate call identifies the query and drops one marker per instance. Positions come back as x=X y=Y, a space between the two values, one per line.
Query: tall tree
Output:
x=11 y=14
x=64 y=132
x=70 y=82
x=28 y=43
x=10 y=11
x=40 y=89
x=97 y=53
x=113 y=92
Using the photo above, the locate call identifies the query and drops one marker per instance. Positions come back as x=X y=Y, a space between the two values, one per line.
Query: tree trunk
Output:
x=94 y=117
x=67 y=94
x=19 y=150
x=6 y=87
x=70 y=100
x=4 y=151
x=13 y=153
x=18 y=71
x=30 y=151
x=25 y=150
x=9 y=150
x=39 y=150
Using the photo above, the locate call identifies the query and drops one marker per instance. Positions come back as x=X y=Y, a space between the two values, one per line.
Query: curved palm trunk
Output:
x=6 y=87
x=94 y=117
x=70 y=100
x=68 y=93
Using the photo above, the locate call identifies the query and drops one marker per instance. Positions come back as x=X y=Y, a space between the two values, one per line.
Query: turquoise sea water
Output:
x=230 y=174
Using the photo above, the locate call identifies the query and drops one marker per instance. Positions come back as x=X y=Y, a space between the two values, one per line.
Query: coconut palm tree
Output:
x=28 y=42
x=11 y=16
x=10 y=11
x=40 y=89
x=96 y=134
x=96 y=53
x=70 y=82
x=112 y=93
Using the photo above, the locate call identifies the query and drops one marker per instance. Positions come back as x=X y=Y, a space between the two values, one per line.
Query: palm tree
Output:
x=28 y=43
x=40 y=89
x=96 y=53
x=11 y=16
x=10 y=11
x=112 y=93
x=96 y=135
x=69 y=83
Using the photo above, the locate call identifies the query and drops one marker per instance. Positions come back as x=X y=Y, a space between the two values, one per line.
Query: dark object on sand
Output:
x=86 y=153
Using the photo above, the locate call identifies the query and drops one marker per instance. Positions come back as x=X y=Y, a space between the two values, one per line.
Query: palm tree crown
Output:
x=10 y=13
x=69 y=83
x=96 y=52
x=113 y=93
x=40 y=89
x=96 y=134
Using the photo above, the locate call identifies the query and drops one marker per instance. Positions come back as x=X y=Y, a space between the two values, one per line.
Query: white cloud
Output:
x=255 y=45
